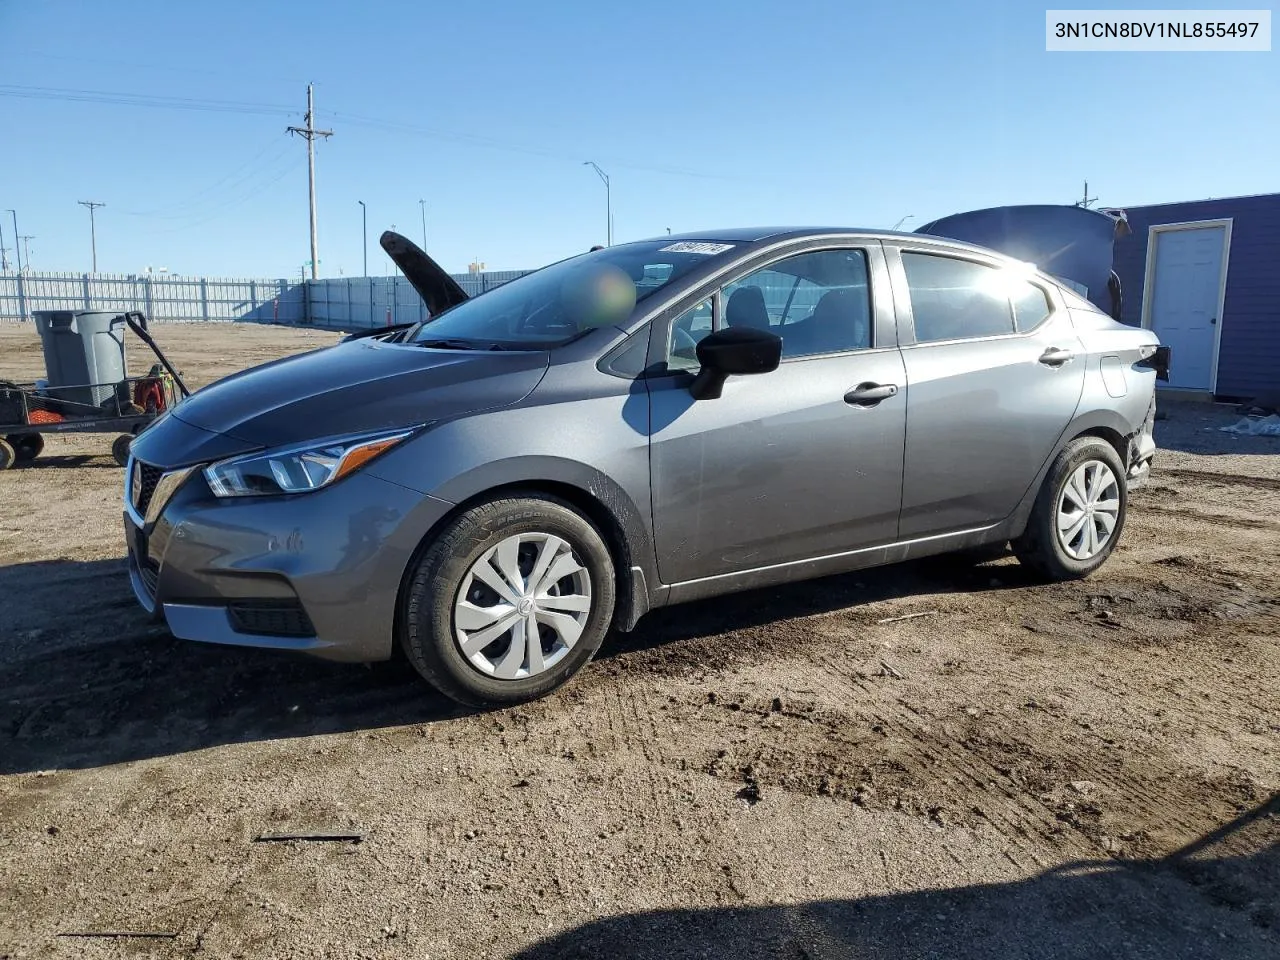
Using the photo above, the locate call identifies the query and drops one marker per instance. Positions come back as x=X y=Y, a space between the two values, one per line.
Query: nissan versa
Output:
x=495 y=488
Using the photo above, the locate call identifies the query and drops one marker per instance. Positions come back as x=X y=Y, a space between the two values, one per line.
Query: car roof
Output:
x=763 y=234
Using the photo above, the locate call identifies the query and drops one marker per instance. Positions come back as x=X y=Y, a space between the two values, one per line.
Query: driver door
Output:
x=789 y=465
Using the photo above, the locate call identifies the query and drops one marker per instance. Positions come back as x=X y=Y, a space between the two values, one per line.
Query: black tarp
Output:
x=1073 y=243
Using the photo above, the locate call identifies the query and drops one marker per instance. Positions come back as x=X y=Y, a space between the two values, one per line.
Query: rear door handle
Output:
x=869 y=394
x=1056 y=357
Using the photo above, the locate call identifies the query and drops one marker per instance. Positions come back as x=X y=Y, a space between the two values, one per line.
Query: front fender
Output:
x=591 y=453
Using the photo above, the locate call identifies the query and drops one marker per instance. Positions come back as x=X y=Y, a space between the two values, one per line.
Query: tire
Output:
x=1068 y=556
x=463 y=557
x=27 y=446
x=120 y=448
x=8 y=456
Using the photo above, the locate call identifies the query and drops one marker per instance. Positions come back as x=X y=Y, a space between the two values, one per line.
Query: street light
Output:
x=364 y=219
x=608 y=199
x=423 y=205
x=909 y=216
x=16 y=252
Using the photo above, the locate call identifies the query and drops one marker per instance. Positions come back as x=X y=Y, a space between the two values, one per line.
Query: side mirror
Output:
x=733 y=351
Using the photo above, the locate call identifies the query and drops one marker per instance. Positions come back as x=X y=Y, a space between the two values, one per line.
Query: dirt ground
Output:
x=1070 y=771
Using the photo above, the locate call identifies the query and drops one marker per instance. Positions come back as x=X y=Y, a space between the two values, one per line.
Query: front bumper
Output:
x=317 y=572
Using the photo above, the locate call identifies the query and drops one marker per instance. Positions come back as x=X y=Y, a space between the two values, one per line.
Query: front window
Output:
x=818 y=303
x=560 y=302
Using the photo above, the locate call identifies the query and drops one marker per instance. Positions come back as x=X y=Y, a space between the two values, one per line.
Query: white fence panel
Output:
x=354 y=303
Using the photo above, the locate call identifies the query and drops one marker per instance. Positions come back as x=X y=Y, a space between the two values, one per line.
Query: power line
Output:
x=395 y=126
x=145 y=100
x=228 y=206
x=195 y=204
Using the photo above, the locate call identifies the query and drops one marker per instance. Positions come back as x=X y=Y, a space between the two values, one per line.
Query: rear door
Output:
x=994 y=374
x=802 y=462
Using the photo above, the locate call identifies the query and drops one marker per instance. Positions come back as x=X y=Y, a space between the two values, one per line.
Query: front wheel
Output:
x=509 y=601
x=1079 y=513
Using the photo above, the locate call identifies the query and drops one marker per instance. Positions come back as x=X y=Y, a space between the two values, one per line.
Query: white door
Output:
x=1186 y=296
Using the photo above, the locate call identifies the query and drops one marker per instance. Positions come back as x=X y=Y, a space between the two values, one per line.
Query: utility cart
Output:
x=88 y=388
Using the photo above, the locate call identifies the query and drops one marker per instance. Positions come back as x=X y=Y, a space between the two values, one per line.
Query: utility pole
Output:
x=608 y=199
x=1086 y=199
x=26 y=250
x=4 y=254
x=364 y=236
x=423 y=205
x=310 y=132
x=93 y=233
x=16 y=253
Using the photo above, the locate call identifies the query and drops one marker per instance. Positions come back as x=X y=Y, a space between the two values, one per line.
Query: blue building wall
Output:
x=1249 y=353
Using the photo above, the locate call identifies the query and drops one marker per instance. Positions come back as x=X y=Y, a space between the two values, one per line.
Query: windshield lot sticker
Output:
x=693 y=246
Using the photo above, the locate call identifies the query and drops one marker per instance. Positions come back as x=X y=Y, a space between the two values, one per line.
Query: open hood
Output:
x=1072 y=243
x=438 y=290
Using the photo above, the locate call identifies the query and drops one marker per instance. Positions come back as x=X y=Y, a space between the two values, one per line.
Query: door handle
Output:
x=869 y=394
x=1056 y=357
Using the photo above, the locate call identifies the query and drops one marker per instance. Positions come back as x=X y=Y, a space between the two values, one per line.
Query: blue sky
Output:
x=703 y=114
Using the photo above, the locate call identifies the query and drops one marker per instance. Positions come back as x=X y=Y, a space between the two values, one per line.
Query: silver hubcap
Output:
x=1088 y=509
x=522 y=606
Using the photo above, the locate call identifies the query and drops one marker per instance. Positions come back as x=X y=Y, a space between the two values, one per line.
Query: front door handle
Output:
x=869 y=394
x=1056 y=357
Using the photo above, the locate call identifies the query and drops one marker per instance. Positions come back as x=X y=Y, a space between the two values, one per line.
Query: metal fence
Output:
x=161 y=298
x=357 y=303
x=353 y=303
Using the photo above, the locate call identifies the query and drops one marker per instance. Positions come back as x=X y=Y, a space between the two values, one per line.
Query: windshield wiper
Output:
x=452 y=344
x=460 y=344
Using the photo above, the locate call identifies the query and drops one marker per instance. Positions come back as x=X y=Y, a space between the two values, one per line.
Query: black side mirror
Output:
x=735 y=350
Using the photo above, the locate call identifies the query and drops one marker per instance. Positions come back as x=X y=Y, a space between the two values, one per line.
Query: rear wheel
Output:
x=1079 y=513
x=26 y=446
x=509 y=601
x=8 y=456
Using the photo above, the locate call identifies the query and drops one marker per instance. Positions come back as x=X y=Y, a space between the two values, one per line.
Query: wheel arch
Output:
x=595 y=496
x=1104 y=424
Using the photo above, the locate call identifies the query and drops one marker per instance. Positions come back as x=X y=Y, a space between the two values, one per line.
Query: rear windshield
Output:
x=560 y=302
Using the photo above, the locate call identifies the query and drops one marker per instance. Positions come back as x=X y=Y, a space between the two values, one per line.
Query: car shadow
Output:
x=102 y=461
x=89 y=680
x=1214 y=898
x=948 y=573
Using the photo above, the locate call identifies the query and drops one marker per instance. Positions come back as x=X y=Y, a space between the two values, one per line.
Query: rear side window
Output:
x=1030 y=305
x=959 y=300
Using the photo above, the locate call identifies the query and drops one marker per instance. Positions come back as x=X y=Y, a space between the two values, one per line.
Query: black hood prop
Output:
x=438 y=290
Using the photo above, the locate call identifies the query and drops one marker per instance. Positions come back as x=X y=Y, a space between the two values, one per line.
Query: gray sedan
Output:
x=494 y=489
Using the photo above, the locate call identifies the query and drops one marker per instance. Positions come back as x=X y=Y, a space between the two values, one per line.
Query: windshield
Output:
x=562 y=301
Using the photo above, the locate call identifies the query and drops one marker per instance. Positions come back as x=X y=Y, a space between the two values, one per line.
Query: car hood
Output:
x=359 y=386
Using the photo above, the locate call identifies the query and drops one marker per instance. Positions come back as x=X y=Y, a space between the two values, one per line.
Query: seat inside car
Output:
x=840 y=321
x=746 y=309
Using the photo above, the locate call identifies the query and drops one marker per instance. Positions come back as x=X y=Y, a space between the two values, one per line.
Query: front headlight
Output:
x=299 y=468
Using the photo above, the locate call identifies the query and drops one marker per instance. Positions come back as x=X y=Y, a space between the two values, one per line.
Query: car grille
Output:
x=148 y=476
x=271 y=618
